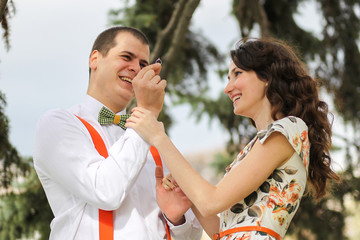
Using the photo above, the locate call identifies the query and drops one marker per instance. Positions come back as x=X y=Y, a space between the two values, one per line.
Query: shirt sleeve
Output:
x=190 y=230
x=64 y=152
x=296 y=132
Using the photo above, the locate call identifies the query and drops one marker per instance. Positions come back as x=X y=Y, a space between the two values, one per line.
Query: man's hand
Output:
x=172 y=202
x=149 y=88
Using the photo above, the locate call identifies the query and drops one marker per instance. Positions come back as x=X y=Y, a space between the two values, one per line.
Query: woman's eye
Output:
x=142 y=65
x=236 y=73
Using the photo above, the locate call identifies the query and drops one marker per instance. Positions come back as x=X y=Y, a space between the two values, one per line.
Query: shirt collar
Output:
x=93 y=106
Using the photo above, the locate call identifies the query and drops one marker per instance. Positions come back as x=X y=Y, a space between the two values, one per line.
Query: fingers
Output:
x=162 y=83
x=156 y=68
x=159 y=176
x=169 y=183
x=160 y=180
x=149 y=72
x=149 y=78
x=137 y=113
x=154 y=79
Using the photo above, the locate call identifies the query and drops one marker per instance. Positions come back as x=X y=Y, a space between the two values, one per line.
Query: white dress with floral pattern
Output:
x=275 y=202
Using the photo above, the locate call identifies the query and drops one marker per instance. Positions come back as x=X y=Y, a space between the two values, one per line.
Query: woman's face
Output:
x=246 y=91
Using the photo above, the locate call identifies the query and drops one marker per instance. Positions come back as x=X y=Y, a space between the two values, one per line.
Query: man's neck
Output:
x=114 y=108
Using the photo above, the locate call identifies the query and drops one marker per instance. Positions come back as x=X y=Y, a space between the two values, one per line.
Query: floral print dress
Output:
x=275 y=202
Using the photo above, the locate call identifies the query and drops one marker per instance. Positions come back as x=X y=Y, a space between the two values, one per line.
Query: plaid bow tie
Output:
x=108 y=117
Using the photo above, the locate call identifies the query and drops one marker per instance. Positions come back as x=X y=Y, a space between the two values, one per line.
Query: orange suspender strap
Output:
x=106 y=225
x=157 y=158
x=272 y=233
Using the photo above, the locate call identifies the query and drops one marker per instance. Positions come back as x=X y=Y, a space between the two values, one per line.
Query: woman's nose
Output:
x=228 y=88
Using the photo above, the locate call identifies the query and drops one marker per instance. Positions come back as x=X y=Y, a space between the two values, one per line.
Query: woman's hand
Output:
x=146 y=125
x=169 y=183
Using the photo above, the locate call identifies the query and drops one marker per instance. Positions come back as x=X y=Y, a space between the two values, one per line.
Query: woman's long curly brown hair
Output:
x=292 y=92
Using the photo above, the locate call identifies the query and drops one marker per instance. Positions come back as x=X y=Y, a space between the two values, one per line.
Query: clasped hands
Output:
x=171 y=199
x=149 y=91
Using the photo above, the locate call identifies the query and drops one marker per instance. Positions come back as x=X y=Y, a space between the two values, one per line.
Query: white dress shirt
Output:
x=78 y=181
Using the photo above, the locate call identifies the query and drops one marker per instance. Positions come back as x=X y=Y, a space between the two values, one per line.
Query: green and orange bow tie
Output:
x=108 y=117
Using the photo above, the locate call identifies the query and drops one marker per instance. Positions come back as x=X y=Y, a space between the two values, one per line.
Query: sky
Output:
x=47 y=65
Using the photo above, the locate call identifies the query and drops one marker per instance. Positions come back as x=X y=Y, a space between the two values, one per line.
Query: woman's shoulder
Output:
x=294 y=129
x=289 y=126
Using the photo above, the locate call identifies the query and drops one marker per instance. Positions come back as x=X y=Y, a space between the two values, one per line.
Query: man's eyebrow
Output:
x=144 y=62
x=130 y=53
x=133 y=56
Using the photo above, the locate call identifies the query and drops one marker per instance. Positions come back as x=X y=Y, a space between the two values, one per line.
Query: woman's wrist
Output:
x=160 y=139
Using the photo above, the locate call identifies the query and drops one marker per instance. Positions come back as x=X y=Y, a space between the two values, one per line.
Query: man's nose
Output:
x=134 y=66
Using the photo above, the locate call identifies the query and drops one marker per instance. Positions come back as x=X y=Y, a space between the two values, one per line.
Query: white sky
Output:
x=47 y=65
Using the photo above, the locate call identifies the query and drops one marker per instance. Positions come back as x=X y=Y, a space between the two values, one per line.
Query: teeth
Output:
x=126 y=79
x=236 y=98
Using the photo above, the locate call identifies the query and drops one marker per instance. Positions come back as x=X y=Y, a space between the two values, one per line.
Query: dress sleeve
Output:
x=296 y=132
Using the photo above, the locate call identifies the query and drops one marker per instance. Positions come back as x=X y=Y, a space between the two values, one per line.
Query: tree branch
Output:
x=263 y=20
x=2 y=8
x=167 y=31
x=179 y=35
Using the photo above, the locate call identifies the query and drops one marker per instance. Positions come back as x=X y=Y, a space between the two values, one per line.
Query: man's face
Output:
x=111 y=75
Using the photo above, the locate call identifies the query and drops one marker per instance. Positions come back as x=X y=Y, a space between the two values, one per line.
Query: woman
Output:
x=263 y=186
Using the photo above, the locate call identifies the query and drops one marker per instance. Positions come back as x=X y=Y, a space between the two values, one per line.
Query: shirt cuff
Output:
x=131 y=132
x=180 y=229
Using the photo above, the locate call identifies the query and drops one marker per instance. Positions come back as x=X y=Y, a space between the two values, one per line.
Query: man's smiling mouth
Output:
x=126 y=79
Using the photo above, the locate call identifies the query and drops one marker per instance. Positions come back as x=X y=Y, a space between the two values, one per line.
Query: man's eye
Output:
x=142 y=65
x=126 y=57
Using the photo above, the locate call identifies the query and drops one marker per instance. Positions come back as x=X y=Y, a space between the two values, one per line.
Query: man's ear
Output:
x=93 y=60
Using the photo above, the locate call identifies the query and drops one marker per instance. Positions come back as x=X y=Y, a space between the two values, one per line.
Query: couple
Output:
x=99 y=177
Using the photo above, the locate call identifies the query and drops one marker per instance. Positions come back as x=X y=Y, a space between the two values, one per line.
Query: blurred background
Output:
x=44 y=50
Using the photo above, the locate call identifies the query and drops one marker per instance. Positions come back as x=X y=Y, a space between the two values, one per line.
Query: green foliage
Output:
x=239 y=128
x=23 y=206
x=341 y=57
x=318 y=220
x=24 y=209
x=7 y=9
x=10 y=163
x=336 y=57
x=221 y=162
x=337 y=62
x=149 y=16
x=336 y=51
x=188 y=76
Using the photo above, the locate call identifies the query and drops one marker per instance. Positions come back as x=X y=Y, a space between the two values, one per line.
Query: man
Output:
x=78 y=181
